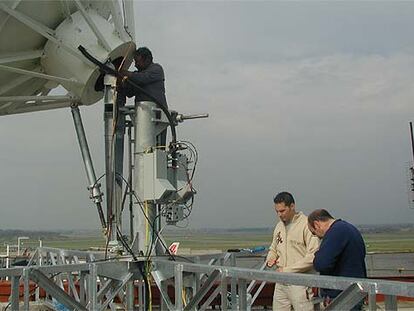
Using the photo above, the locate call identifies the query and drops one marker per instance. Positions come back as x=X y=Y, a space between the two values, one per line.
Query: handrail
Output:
x=374 y=286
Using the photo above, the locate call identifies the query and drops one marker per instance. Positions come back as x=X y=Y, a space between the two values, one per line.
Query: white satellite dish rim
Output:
x=122 y=20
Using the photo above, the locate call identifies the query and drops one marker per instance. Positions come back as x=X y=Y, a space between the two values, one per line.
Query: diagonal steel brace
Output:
x=203 y=290
x=348 y=298
x=59 y=294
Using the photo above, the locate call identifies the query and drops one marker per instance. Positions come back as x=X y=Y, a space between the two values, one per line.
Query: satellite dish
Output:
x=39 y=50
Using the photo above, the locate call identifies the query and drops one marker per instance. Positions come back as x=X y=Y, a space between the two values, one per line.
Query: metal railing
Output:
x=85 y=281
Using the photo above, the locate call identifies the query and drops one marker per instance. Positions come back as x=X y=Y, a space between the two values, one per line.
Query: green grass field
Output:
x=375 y=242
x=390 y=242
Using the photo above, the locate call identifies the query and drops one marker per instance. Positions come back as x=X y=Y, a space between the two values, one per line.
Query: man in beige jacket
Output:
x=292 y=250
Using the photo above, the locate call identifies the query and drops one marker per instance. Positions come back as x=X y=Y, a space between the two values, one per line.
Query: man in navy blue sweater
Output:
x=341 y=252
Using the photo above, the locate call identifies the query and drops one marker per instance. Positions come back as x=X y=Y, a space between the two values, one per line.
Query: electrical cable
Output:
x=153 y=244
x=188 y=143
x=143 y=212
x=193 y=151
x=156 y=240
x=143 y=274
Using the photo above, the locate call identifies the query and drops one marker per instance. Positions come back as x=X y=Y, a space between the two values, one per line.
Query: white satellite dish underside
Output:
x=38 y=50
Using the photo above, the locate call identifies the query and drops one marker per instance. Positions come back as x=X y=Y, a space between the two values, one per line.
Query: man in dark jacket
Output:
x=341 y=252
x=149 y=76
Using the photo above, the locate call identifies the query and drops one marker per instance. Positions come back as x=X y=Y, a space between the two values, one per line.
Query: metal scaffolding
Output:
x=87 y=281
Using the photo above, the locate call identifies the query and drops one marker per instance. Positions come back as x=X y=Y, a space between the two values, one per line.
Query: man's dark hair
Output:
x=319 y=215
x=145 y=53
x=284 y=197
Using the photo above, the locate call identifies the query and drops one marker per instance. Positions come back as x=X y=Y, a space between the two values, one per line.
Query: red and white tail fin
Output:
x=174 y=248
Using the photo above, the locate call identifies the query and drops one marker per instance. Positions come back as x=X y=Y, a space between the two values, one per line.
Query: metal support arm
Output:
x=96 y=194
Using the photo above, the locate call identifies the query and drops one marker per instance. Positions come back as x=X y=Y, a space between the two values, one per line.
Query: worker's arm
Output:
x=331 y=248
x=306 y=263
x=152 y=74
x=125 y=90
x=272 y=256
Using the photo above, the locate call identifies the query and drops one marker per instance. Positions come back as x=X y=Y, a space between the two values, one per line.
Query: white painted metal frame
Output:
x=42 y=30
x=129 y=22
x=65 y=9
x=94 y=28
x=118 y=19
x=16 y=82
x=35 y=74
x=19 y=56
x=23 y=104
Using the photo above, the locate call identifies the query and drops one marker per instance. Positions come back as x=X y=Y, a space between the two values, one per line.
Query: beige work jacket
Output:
x=294 y=249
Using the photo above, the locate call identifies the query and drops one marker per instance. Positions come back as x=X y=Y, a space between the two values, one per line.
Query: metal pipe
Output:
x=182 y=117
x=118 y=158
x=145 y=138
x=412 y=139
x=94 y=186
x=114 y=154
x=108 y=120
x=130 y=190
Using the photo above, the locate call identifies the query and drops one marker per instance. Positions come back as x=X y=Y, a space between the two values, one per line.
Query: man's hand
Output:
x=271 y=262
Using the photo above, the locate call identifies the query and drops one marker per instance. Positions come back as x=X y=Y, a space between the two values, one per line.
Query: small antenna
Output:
x=412 y=139
x=411 y=171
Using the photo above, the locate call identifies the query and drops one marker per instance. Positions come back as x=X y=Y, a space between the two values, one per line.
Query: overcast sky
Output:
x=308 y=97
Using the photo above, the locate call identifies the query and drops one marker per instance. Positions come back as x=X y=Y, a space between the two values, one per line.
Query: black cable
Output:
x=124 y=198
x=143 y=274
x=177 y=256
x=196 y=155
x=145 y=215
x=152 y=237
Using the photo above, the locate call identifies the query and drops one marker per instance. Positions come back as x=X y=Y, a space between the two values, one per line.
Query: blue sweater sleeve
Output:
x=330 y=249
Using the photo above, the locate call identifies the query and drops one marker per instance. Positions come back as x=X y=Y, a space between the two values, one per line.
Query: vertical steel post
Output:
x=233 y=287
x=372 y=300
x=145 y=138
x=178 y=276
x=14 y=300
x=7 y=259
x=242 y=294
x=223 y=290
x=163 y=289
x=109 y=174
x=92 y=288
x=130 y=182
x=114 y=121
x=26 y=289
x=119 y=162
x=130 y=298
x=82 y=291
x=391 y=303
x=141 y=296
